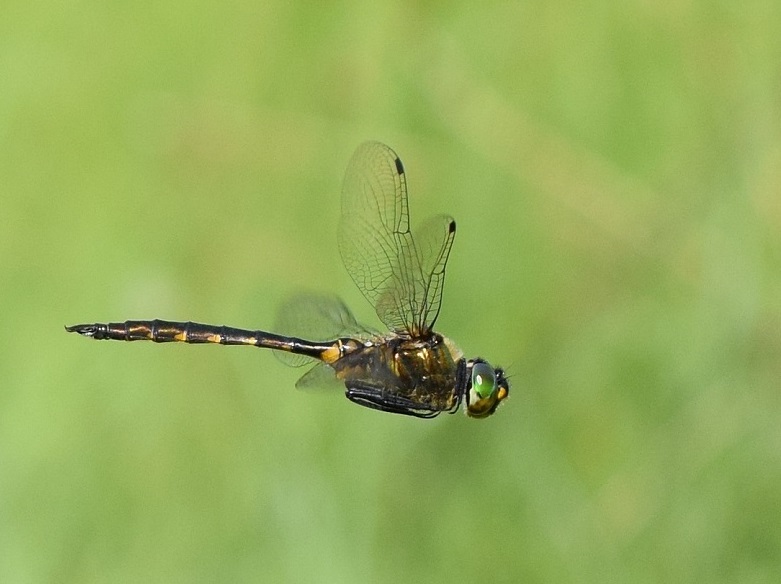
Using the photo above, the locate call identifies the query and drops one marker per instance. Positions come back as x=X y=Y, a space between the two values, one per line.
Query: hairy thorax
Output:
x=425 y=369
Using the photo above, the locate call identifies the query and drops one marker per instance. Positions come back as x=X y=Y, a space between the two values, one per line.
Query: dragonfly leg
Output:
x=367 y=395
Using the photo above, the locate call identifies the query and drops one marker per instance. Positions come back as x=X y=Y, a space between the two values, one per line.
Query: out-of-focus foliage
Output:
x=615 y=171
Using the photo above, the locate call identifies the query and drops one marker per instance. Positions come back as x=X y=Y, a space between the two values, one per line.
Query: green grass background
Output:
x=615 y=170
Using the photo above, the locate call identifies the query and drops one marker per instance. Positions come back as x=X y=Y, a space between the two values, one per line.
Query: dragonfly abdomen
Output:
x=163 y=331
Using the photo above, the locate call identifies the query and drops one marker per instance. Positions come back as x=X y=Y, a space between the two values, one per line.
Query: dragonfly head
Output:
x=486 y=388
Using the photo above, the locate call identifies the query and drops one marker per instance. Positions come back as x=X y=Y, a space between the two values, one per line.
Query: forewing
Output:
x=433 y=240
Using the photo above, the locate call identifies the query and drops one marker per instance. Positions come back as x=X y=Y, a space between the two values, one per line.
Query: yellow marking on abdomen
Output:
x=181 y=337
x=214 y=338
x=332 y=354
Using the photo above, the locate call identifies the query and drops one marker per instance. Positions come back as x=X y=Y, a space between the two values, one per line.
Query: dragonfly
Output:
x=410 y=369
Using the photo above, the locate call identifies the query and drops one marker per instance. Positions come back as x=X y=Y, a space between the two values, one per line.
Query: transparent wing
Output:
x=315 y=317
x=321 y=376
x=433 y=239
x=400 y=276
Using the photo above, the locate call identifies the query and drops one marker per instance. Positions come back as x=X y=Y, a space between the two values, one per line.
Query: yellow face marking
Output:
x=214 y=338
x=181 y=337
x=333 y=353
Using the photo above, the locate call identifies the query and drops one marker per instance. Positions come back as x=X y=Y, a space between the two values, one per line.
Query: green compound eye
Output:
x=488 y=389
x=483 y=379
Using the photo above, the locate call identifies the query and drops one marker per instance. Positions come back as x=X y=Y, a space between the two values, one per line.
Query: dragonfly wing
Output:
x=321 y=376
x=378 y=248
x=315 y=317
x=434 y=238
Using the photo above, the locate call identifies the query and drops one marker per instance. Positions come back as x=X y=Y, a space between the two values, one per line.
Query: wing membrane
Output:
x=315 y=317
x=400 y=276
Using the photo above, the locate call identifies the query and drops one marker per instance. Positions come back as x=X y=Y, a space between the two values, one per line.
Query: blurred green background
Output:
x=615 y=170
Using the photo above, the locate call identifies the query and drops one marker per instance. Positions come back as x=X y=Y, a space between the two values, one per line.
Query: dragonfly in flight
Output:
x=408 y=370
